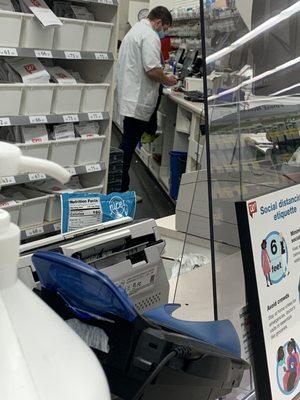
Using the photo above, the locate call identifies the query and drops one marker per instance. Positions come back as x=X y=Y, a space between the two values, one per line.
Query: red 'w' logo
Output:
x=252 y=207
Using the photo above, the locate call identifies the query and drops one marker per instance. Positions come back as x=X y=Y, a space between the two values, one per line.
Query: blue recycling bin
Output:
x=177 y=168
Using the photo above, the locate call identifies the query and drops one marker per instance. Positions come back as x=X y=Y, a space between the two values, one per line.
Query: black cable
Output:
x=181 y=352
x=156 y=371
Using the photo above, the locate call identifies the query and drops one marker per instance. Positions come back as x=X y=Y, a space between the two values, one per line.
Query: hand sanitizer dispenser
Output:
x=41 y=357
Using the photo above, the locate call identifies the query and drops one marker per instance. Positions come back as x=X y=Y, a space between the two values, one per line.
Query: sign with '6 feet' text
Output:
x=269 y=228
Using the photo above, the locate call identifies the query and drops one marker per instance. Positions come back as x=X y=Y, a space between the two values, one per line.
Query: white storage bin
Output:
x=97 y=36
x=33 y=35
x=53 y=208
x=66 y=99
x=93 y=98
x=13 y=210
x=10 y=94
x=63 y=152
x=10 y=28
x=37 y=150
x=69 y=36
x=32 y=212
x=89 y=150
x=37 y=99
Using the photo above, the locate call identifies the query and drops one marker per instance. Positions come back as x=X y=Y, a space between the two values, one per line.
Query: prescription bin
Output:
x=69 y=36
x=10 y=28
x=93 y=98
x=11 y=95
x=53 y=208
x=89 y=150
x=97 y=36
x=34 y=35
x=66 y=99
x=37 y=99
x=63 y=152
x=13 y=209
x=32 y=211
x=37 y=150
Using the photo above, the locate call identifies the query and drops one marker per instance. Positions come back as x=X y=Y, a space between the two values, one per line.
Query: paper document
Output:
x=42 y=12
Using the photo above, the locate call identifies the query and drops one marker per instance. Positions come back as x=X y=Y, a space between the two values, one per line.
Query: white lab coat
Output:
x=140 y=52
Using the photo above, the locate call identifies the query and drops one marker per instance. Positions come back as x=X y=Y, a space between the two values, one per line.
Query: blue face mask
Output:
x=161 y=34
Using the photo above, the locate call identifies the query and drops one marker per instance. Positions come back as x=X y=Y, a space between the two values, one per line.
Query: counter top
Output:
x=177 y=97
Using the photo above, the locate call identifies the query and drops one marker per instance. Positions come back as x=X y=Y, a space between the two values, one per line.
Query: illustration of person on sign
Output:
x=293 y=367
x=266 y=262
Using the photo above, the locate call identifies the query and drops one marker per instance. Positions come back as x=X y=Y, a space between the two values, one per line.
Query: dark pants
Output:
x=133 y=131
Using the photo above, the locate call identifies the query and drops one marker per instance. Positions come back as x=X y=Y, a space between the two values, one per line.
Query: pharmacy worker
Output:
x=139 y=75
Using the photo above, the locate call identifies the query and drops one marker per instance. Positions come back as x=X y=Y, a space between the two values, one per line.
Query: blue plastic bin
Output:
x=177 y=168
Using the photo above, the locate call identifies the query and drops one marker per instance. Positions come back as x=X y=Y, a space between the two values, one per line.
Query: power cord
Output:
x=178 y=352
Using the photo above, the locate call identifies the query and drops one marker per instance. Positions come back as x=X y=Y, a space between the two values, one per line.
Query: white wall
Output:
x=167 y=3
x=124 y=10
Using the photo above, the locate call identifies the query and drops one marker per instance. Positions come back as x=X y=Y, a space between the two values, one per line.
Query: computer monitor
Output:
x=190 y=57
x=179 y=55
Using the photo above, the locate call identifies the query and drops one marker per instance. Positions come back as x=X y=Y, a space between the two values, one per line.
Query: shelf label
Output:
x=106 y=2
x=39 y=230
x=43 y=53
x=93 y=168
x=8 y=51
x=71 y=118
x=71 y=170
x=73 y=55
x=56 y=227
x=5 y=122
x=36 y=176
x=101 y=56
x=95 y=116
x=8 y=180
x=38 y=119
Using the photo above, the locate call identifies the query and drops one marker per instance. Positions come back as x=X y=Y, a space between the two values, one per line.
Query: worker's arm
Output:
x=151 y=58
x=158 y=75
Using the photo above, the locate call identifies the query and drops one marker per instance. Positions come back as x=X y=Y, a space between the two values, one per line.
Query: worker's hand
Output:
x=171 y=80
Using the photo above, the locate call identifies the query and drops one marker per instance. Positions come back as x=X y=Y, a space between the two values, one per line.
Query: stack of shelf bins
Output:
x=92 y=54
x=115 y=170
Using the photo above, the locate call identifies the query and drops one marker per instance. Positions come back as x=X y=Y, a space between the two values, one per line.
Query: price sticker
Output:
x=93 y=168
x=73 y=55
x=95 y=116
x=39 y=230
x=101 y=56
x=71 y=170
x=8 y=180
x=38 y=119
x=43 y=53
x=36 y=176
x=5 y=122
x=8 y=51
x=71 y=118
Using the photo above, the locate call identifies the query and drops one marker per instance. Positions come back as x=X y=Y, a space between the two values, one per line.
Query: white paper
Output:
x=87 y=129
x=60 y=75
x=30 y=70
x=64 y=131
x=34 y=133
x=43 y=13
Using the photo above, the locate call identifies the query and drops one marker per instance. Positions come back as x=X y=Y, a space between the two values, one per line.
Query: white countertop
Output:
x=177 y=97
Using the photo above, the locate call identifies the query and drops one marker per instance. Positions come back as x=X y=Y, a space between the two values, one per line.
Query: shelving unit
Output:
x=179 y=132
x=88 y=47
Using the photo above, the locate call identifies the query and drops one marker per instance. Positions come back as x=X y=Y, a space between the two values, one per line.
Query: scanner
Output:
x=152 y=354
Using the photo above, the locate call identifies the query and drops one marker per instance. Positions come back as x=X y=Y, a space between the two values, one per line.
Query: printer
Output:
x=111 y=278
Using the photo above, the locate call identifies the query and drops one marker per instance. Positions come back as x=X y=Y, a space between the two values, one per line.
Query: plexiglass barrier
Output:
x=253 y=116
